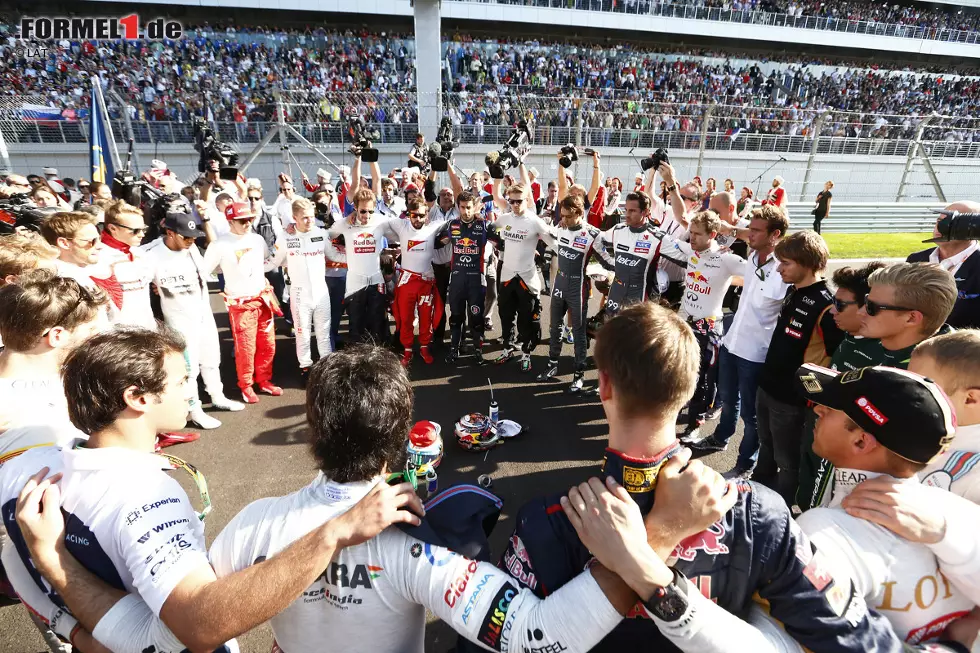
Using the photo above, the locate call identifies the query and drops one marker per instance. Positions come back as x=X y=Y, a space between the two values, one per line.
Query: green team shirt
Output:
x=856 y=352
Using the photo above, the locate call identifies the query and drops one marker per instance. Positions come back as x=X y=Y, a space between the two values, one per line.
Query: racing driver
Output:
x=391 y=579
x=648 y=361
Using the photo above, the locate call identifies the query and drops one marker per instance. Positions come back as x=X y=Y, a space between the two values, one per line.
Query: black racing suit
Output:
x=755 y=553
x=636 y=252
x=467 y=283
x=571 y=289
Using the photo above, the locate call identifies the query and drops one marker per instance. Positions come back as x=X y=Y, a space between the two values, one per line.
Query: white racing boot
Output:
x=202 y=419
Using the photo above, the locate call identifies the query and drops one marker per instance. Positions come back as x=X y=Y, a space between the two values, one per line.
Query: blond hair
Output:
x=117 y=208
x=20 y=253
x=958 y=354
x=301 y=204
x=923 y=287
x=363 y=195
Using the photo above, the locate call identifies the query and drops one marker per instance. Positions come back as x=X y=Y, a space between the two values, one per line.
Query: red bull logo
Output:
x=708 y=541
x=518 y=563
x=697 y=282
x=467 y=242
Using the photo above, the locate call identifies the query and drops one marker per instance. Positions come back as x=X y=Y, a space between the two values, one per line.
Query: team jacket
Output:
x=757 y=552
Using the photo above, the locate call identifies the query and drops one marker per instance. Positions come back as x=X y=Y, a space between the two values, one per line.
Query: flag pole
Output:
x=101 y=107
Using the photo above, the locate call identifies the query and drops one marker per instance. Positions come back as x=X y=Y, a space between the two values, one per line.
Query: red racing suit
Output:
x=414 y=290
x=254 y=334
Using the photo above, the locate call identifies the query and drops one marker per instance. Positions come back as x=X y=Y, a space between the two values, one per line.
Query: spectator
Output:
x=821 y=208
x=961 y=258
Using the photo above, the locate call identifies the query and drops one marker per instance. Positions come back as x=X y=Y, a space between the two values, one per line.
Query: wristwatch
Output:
x=669 y=603
x=671 y=188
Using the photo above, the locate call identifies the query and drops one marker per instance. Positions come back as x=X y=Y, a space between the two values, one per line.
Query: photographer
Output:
x=685 y=202
x=417 y=156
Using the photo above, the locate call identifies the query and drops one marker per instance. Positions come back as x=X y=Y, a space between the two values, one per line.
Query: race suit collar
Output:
x=845 y=480
x=329 y=492
x=637 y=475
x=109 y=241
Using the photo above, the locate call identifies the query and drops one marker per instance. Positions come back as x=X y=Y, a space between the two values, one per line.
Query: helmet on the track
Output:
x=425 y=446
x=475 y=432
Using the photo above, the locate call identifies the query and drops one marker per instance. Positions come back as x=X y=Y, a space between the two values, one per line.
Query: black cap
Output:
x=184 y=224
x=907 y=413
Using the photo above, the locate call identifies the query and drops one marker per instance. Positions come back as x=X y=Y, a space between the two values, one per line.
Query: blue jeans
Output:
x=336 y=286
x=737 y=384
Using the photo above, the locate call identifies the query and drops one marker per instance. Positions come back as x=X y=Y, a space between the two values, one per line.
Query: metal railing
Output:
x=752 y=17
x=63 y=131
x=867 y=217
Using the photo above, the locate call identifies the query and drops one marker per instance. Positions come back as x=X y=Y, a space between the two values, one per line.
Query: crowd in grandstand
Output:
x=706 y=304
x=489 y=83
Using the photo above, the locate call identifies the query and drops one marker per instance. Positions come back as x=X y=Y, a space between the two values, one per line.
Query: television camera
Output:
x=361 y=137
x=512 y=153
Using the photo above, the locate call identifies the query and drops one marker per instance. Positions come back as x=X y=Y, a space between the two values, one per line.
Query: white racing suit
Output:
x=186 y=306
x=374 y=595
x=309 y=301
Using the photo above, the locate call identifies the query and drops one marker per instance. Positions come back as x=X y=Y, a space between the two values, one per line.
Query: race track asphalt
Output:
x=261 y=451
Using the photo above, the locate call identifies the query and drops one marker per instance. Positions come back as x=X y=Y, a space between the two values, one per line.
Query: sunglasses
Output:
x=515 y=202
x=873 y=307
x=416 y=215
x=840 y=305
x=86 y=244
x=135 y=232
x=365 y=211
x=254 y=199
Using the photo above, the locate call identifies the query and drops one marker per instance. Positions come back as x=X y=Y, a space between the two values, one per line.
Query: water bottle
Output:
x=494 y=411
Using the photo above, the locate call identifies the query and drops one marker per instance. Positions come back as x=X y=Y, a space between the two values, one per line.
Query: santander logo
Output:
x=870 y=410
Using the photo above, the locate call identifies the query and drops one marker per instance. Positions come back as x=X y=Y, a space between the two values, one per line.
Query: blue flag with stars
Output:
x=100 y=153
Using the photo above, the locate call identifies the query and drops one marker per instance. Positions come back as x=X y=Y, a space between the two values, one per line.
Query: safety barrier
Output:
x=868 y=217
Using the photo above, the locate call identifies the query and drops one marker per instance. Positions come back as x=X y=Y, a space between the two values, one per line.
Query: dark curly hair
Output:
x=359 y=409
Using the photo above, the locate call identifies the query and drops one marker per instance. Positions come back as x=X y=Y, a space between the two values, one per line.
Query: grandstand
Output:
x=602 y=89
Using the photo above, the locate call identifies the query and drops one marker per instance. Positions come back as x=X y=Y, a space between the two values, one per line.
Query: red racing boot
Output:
x=426 y=356
x=269 y=388
x=407 y=357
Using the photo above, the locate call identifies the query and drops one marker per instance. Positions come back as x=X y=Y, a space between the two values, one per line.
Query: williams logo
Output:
x=98 y=28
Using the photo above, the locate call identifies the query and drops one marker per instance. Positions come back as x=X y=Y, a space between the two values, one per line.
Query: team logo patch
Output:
x=871 y=411
x=852 y=376
x=819 y=577
x=811 y=384
x=641 y=247
x=838 y=598
x=580 y=243
x=475 y=310
x=640 y=479
x=793 y=333
x=412 y=244
x=709 y=541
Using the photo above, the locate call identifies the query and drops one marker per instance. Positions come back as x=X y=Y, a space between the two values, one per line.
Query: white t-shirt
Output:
x=363 y=245
x=181 y=282
x=134 y=278
x=305 y=257
x=126 y=520
x=33 y=413
x=762 y=300
x=71 y=271
x=520 y=234
x=242 y=260
x=707 y=278
x=373 y=596
x=418 y=246
x=957 y=468
x=898 y=578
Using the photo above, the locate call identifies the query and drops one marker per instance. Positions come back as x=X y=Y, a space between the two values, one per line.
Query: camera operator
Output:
x=685 y=202
x=417 y=156
x=214 y=185
x=961 y=258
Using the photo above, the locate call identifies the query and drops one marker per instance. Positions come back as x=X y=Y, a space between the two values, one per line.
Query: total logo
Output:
x=98 y=28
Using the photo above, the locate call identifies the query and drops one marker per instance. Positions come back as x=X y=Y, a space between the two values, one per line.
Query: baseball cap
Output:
x=184 y=224
x=50 y=171
x=411 y=188
x=907 y=413
x=239 y=211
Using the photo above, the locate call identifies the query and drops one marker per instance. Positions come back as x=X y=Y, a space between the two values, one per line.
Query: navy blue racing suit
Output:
x=636 y=252
x=756 y=552
x=467 y=283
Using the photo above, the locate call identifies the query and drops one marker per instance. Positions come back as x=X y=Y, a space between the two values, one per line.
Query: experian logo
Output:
x=98 y=28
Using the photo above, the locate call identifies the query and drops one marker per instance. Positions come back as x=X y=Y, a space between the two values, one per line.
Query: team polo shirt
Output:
x=126 y=520
x=242 y=261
